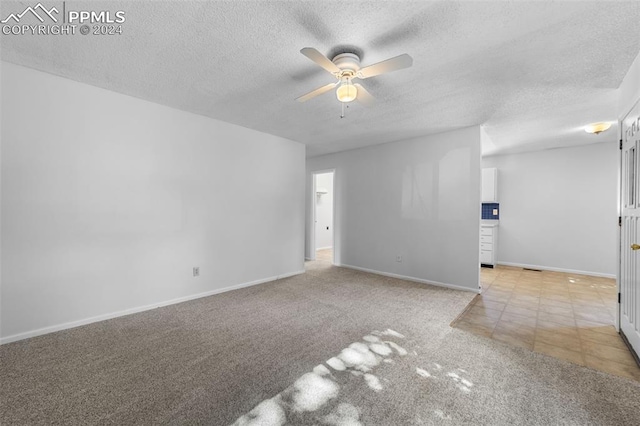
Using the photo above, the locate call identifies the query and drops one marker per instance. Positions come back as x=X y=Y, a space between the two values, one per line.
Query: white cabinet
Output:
x=490 y=185
x=488 y=244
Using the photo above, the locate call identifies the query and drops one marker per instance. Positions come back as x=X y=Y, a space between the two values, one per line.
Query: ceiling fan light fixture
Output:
x=346 y=67
x=596 y=128
x=347 y=92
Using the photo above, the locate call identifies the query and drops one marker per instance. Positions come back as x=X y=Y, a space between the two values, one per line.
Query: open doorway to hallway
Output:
x=323 y=215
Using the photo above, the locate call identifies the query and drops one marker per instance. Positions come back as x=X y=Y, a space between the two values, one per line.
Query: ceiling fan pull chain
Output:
x=342 y=115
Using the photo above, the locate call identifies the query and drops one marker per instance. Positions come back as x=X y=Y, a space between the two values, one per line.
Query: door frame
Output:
x=619 y=233
x=312 y=242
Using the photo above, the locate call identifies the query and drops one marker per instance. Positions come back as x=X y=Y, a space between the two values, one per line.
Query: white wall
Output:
x=419 y=199
x=324 y=211
x=629 y=89
x=558 y=208
x=109 y=201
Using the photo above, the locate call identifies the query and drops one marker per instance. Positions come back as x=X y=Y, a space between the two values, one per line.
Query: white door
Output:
x=630 y=231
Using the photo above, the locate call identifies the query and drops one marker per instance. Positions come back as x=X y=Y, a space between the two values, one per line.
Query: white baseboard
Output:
x=553 y=269
x=308 y=258
x=418 y=280
x=324 y=248
x=74 y=324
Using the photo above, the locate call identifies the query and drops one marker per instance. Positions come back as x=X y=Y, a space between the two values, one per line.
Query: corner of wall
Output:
x=629 y=90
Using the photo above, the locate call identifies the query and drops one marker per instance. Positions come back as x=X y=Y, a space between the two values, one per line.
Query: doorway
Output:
x=323 y=215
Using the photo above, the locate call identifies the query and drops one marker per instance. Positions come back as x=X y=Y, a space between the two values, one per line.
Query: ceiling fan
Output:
x=346 y=68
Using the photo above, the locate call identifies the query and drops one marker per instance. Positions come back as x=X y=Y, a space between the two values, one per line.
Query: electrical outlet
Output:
x=398 y=258
x=495 y=212
x=196 y=271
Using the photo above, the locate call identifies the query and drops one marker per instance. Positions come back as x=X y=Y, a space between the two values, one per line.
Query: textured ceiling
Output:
x=533 y=73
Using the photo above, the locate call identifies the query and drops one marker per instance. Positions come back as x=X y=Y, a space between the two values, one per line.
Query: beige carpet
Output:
x=332 y=346
x=325 y=254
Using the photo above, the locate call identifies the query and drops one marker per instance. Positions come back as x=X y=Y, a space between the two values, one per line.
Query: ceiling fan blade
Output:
x=364 y=97
x=320 y=59
x=318 y=91
x=393 y=64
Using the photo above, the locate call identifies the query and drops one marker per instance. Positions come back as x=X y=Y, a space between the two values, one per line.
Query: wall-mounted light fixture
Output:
x=596 y=128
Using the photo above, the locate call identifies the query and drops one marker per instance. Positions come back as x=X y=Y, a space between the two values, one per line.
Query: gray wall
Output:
x=419 y=199
x=109 y=201
x=558 y=208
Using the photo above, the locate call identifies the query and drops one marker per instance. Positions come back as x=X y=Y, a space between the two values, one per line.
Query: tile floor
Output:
x=325 y=255
x=566 y=316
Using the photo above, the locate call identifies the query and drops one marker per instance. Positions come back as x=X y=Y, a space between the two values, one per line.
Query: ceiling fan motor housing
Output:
x=346 y=67
x=347 y=62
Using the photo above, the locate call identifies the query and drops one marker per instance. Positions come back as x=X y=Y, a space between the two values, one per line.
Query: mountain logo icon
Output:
x=39 y=11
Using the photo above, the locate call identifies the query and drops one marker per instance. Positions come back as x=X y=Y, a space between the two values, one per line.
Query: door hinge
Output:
x=620 y=144
x=618 y=298
x=619 y=220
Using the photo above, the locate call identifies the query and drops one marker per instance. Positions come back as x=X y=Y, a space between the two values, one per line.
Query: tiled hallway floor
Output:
x=562 y=315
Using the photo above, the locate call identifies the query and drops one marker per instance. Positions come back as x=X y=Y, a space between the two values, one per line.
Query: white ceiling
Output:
x=533 y=73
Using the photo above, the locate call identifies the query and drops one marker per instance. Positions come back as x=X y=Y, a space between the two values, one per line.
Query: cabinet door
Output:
x=489 y=185
x=487 y=247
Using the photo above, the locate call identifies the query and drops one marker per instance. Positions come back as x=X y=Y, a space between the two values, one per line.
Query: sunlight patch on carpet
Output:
x=312 y=391
x=387 y=332
x=316 y=397
x=440 y=414
x=343 y=415
x=460 y=382
x=268 y=412
x=373 y=382
x=336 y=364
x=371 y=339
x=319 y=389
x=422 y=372
x=401 y=351
x=380 y=349
x=321 y=370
